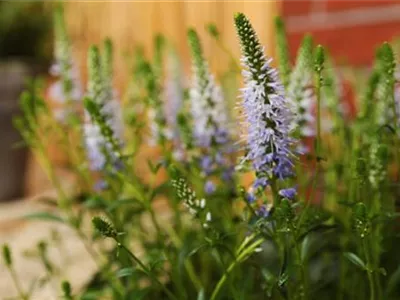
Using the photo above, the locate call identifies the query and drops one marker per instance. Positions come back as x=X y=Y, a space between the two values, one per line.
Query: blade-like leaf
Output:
x=125 y=272
x=355 y=259
x=44 y=216
x=201 y=295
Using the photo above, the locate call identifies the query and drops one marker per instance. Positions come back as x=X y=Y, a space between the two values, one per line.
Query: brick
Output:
x=340 y=5
x=296 y=8
x=354 y=45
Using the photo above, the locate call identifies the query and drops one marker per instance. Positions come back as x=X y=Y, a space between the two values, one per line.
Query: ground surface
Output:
x=24 y=235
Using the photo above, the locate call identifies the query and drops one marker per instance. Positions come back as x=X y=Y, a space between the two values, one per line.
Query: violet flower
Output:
x=301 y=94
x=99 y=148
x=68 y=87
x=173 y=94
x=209 y=114
x=267 y=112
x=288 y=193
x=209 y=111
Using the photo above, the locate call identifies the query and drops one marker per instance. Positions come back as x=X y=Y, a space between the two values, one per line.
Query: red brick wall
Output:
x=350 y=29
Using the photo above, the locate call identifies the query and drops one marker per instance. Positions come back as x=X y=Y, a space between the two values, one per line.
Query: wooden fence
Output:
x=131 y=23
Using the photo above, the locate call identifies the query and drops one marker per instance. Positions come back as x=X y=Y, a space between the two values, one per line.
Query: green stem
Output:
x=17 y=284
x=275 y=193
x=369 y=270
x=52 y=176
x=64 y=203
x=303 y=271
x=242 y=256
x=147 y=271
x=74 y=159
x=319 y=138
x=188 y=264
x=343 y=266
x=230 y=54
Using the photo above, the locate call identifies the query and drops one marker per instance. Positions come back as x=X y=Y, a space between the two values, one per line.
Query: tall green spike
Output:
x=107 y=68
x=197 y=54
x=251 y=47
x=107 y=59
x=385 y=65
x=282 y=50
x=95 y=82
x=61 y=40
x=62 y=50
x=304 y=58
x=368 y=109
x=159 y=46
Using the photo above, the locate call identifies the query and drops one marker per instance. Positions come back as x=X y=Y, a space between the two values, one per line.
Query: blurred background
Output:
x=349 y=29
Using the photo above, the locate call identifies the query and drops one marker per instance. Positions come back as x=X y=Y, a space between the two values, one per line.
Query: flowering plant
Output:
x=313 y=223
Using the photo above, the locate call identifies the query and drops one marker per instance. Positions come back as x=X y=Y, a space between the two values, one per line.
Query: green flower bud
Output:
x=213 y=30
x=7 y=255
x=319 y=59
x=362 y=224
x=197 y=53
x=66 y=289
x=104 y=227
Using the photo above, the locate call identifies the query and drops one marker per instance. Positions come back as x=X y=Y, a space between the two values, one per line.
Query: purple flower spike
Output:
x=268 y=114
x=208 y=105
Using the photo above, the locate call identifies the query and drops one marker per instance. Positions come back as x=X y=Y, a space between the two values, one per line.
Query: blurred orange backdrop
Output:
x=132 y=23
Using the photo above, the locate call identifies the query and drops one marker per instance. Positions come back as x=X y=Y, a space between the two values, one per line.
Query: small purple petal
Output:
x=209 y=187
x=260 y=183
x=100 y=185
x=288 y=193
x=206 y=164
x=250 y=197
x=263 y=211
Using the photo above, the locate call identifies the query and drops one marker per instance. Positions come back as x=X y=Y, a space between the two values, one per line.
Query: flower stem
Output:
x=188 y=264
x=275 y=194
x=303 y=271
x=17 y=284
x=147 y=271
x=242 y=256
x=369 y=271
x=319 y=66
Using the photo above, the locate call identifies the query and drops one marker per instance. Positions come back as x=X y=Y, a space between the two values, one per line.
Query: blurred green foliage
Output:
x=25 y=30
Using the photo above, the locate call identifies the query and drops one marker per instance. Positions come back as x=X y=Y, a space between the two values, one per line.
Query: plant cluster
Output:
x=24 y=30
x=298 y=204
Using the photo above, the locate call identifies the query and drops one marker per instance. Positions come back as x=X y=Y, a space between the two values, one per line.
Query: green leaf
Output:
x=213 y=30
x=135 y=205
x=394 y=281
x=95 y=202
x=44 y=216
x=195 y=250
x=355 y=259
x=305 y=247
x=154 y=167
x=125 y=272
x=92 y=295
x=382 y=271
x=283 y=278
x=48 y=201
x=201 y=295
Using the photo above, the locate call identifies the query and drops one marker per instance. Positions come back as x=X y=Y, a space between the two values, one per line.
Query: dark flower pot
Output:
x=13 y=76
